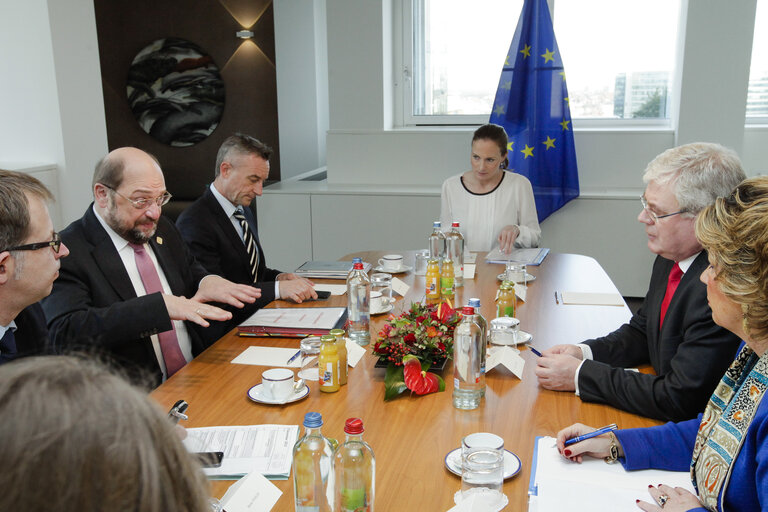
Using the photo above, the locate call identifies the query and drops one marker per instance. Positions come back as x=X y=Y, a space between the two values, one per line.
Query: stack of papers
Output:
x=593 y=299
x=531 y=257
x=293 y=322
x=328 y=269
x=266 y=449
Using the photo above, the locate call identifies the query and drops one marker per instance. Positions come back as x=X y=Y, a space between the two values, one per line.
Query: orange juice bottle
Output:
x=505 y=303
x=341 y=348
x=328 y=363
x=433 y=282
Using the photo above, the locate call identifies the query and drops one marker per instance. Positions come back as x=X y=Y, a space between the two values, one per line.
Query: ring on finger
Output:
x=662 y=500
x=199 y=311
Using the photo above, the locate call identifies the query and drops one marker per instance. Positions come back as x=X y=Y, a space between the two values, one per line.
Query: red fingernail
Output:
x=637 y=501
x=650 y=486
x=567 y=453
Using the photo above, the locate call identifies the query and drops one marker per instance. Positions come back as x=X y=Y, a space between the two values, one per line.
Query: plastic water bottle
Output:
x=312 y=456
x=436 y=242
x=468 y=362
x=358 y=303
x=354 y=471
x=454 y=246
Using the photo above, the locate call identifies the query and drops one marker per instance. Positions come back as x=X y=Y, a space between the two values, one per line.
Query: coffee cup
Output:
x=277 y=383
x=391 y=262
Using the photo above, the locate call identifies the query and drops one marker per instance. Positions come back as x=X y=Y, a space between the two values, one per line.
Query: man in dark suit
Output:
x=220 y=228
x=673 y=331
x=29 y=263
x=131 y=289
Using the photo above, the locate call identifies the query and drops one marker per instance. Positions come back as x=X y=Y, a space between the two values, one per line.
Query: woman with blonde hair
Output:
x=76 y=437
x=726 y=447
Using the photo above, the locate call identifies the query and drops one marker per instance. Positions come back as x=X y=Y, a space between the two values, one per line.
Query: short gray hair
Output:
x=699 y=172
x=240 y=144
x=15 y=221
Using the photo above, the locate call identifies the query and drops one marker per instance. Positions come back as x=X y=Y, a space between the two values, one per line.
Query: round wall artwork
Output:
x=175 y=92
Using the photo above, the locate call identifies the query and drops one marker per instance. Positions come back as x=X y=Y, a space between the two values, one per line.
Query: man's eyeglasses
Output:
x=144 y=203
x=653 y=215
x=55 y=244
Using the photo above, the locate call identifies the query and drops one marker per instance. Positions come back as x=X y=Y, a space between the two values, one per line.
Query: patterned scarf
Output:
x=724 y=424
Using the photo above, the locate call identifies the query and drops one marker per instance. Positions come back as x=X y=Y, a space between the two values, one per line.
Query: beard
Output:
x=132 y=233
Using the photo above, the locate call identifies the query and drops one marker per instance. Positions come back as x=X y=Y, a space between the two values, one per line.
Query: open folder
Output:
x=293 y=322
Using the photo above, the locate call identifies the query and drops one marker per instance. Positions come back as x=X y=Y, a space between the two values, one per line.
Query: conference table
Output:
x=411 y=435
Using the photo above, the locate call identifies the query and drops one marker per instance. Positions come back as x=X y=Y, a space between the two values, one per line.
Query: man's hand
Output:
x=557 y=371
x=507 y=238
x=296 y=288
x=217 y=289
x=182 y=308
x=571 y=350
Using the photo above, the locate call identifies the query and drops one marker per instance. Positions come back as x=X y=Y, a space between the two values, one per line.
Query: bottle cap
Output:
x=436 y=224
x=468 y=310
x=475 y=303
x=454 y=224
x=357 y=260
x=313 y=420
x=354 y=426
x=358 y=265
x=337 y=332
x=328 y=338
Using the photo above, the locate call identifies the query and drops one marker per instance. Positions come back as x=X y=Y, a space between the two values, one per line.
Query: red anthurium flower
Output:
x=417 y=380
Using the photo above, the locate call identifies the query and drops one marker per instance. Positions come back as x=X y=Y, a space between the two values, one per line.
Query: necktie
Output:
x=169 y=343
x=250 y=244
x=7 y=346
x=674 y=279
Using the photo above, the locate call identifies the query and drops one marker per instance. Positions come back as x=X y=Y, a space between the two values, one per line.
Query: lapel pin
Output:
x=159 y=240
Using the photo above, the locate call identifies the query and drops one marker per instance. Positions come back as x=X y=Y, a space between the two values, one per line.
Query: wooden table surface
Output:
x=410 y=436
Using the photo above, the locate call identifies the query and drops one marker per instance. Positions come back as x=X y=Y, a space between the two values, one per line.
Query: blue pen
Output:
x=590 y=435
x=293 y=357
x=535 y=351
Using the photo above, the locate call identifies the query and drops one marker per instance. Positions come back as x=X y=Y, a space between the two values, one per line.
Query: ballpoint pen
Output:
x=293 y=357
x=534 y=351
x=590 y=435
x=556 y=301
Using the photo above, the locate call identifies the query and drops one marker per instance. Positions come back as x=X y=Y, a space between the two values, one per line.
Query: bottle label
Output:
x=446 y=285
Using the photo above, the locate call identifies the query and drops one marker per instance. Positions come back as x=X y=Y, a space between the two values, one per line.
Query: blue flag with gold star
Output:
x=532 y=105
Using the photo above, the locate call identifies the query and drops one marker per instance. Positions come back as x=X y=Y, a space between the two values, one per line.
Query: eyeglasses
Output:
x=653 y=215
x=144 y=203
x=55 y=244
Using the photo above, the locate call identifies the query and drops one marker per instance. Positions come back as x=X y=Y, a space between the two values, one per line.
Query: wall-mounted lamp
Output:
x=244 y=34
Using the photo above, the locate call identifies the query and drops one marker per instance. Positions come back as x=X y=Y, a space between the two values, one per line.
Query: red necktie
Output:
x=674 y=279
x=169 y=343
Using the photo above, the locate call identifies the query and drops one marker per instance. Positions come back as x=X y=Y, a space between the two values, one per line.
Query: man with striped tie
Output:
x=220 y=227
x=131 y=290
x=673 y=331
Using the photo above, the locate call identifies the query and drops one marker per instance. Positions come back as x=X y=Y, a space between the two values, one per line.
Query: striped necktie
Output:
x=250 y=244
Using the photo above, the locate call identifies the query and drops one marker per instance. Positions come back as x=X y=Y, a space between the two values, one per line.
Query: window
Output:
x=616 y=67
x=757 y=92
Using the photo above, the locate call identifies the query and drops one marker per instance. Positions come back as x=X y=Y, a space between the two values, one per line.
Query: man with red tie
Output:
x=29 y=263
x=131 y=290
x=673 y=330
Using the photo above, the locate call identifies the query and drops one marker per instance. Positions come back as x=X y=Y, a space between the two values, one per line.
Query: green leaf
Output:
x=441 y=383
x=394 y=382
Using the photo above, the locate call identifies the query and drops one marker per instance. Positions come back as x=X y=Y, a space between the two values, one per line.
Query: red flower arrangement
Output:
x=425 y=332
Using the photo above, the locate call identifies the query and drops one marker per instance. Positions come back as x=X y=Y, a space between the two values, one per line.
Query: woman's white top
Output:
x=481 y=216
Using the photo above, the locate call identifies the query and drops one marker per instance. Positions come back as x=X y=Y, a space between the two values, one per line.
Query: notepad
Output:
x=558 y=484
x=592 y=299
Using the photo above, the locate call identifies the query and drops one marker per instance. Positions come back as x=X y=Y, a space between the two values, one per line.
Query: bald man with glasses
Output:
x=673 y=331
x=131 y=290
x=29 y=263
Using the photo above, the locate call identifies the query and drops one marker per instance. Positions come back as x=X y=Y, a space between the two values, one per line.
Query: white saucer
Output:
x=403 y=268
x=528 y=277
x=522 y=337
x=256 y=394
x=511 y=463
x=386 y=309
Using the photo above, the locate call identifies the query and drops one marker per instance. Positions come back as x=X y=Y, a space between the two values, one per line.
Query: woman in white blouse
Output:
x=494 y=207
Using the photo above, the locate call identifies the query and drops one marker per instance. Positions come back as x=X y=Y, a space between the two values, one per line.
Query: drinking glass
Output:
x=516 y=272
x=420 y=262
x=310 y=351
x=382 y=282
x=482 y=469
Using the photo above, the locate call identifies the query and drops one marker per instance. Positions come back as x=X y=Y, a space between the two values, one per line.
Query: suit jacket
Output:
x=93 y=305
x=689 y=355
x=31 y=333
x=216 y=244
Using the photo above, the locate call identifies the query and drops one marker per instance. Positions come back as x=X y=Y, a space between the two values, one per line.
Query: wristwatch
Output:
x=613 y=450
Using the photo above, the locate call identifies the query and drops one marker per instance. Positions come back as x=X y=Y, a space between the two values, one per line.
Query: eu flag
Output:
x=532 y=105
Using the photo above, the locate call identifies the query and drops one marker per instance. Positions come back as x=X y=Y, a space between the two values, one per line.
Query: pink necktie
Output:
x=674 y=279
x=169 y=343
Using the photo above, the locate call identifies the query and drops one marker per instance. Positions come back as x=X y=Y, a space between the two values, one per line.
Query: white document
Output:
x=399 y=286
x=252 y=493
x=299 y=318
x=469 y=270
x=335 y=289
x=508 y=357
x=266 y=449
x=354 y=353
x=528 y=256
x=593 y=299
x=268 y=356
x=592 y=486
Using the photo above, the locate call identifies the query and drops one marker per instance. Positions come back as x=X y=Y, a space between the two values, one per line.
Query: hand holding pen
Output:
x=586 y=440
